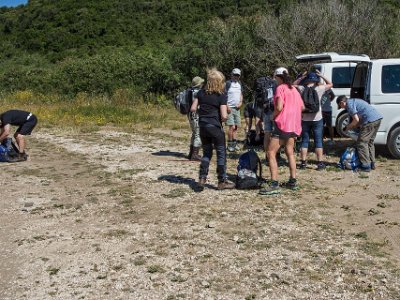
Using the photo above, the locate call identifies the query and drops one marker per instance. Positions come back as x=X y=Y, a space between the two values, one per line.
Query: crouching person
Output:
x=26 y=122
x=210 y=104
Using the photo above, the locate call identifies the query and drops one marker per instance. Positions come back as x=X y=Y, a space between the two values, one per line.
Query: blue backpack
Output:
x=349 y=159
x=249 y=168
x=7 y=150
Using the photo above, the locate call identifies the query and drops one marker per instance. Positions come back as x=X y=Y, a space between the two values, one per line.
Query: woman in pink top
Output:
x=287 y=118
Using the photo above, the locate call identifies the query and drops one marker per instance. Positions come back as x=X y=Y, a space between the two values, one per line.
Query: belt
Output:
x=28 y=117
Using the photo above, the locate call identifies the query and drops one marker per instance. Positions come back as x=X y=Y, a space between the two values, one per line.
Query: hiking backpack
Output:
x=249 y=175
x=183 y=101
x=349 y=159
x=264 y=88
x=7 y=150
x=310 y=99
x=251 y=138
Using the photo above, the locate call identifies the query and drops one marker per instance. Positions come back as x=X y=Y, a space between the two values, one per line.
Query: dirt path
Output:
x=111 y=215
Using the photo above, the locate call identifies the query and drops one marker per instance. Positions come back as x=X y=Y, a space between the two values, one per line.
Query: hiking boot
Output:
x=201 y=184
x=291 y=184
x=225 y=185
x=195 y=154
x=303 y=165
x=272 y=189
x=321 y=166
x=364 y=169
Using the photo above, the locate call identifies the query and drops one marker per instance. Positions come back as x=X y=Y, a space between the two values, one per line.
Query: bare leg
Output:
x=20 y=142
x=289 y=150
x=273 y=148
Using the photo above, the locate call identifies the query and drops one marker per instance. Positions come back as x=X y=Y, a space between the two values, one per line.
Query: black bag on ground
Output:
x=251 y=138
x=183 y=101
x=264 y=88
x=249 y=168
x=310 y=99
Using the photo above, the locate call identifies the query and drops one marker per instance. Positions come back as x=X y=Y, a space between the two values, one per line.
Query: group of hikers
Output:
x=287 y=117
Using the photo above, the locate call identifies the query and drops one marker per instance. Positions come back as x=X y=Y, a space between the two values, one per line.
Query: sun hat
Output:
x=280 y=71
x=197 y=81
x=236 y=71
x=311 y=77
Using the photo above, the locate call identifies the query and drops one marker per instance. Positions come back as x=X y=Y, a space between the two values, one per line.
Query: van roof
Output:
x=332 y=57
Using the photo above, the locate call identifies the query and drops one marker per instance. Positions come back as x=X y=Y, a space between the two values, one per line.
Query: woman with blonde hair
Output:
x=210 y=104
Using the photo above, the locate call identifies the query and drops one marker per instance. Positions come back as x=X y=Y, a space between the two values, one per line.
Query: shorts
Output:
x=233 y=117
x=259 y=111
x=28 y=126
x=268 y=122
x=327 y=117
x=282 y=135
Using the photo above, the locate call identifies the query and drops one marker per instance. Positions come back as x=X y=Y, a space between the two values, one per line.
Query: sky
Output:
x=12 y=2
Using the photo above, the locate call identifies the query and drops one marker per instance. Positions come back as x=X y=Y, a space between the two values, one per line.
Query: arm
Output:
x=298 y=80
x=278 y=107
x=5 y=131
x=328 y=84
x=241 y=102
x=223 y=109
x=195 y=103
x=353 y=123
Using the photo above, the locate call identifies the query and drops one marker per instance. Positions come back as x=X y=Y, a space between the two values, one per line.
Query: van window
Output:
x=342 y=77
x=391 y=79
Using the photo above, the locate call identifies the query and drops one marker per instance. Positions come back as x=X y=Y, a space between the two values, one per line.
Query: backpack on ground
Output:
x=349 y=159
x=251 y=138
x=310 y=99
x=264 y=88
x=183 y=101
x=249 y=168
x=8 y=150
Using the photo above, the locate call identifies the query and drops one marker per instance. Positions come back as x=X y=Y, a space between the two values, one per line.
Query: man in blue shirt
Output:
x=368 y=120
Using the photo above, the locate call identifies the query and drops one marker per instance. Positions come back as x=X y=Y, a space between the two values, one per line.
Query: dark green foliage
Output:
x=100 y=46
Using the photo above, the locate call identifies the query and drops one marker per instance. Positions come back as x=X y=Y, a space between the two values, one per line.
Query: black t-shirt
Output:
x=14 y=117
x=209 y=105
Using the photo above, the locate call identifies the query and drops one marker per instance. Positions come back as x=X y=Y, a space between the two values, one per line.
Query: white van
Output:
x=378 y=83
x=375 y=81
x=339 y=69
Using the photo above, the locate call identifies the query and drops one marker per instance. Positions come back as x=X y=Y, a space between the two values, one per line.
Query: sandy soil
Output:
x=112 y=215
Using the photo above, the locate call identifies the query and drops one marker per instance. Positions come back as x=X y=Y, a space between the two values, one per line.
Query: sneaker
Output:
x=373 y=167
x=231 y=149
x=303 y=165
x=225 y=185
x=321 y=166
x=272 y=189
x=291 y=184
x=237 y=148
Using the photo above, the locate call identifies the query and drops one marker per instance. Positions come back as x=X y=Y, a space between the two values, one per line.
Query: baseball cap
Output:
x=311 y=77
x=280 y=71
x=236 y=71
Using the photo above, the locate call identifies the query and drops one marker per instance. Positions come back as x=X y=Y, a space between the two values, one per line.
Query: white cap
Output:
x=280 y=71
x=236 y=71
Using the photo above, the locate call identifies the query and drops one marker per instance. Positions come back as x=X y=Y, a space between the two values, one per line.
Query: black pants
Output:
x=213 y=137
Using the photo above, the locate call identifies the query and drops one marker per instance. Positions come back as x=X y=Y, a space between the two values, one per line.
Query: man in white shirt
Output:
x=235 y=99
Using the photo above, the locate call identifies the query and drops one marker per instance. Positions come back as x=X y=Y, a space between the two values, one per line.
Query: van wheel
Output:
x=394 y=143
x=342 y=121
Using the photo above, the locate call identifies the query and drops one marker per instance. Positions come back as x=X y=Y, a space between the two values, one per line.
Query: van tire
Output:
x=393 y=144
x=342 y=121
